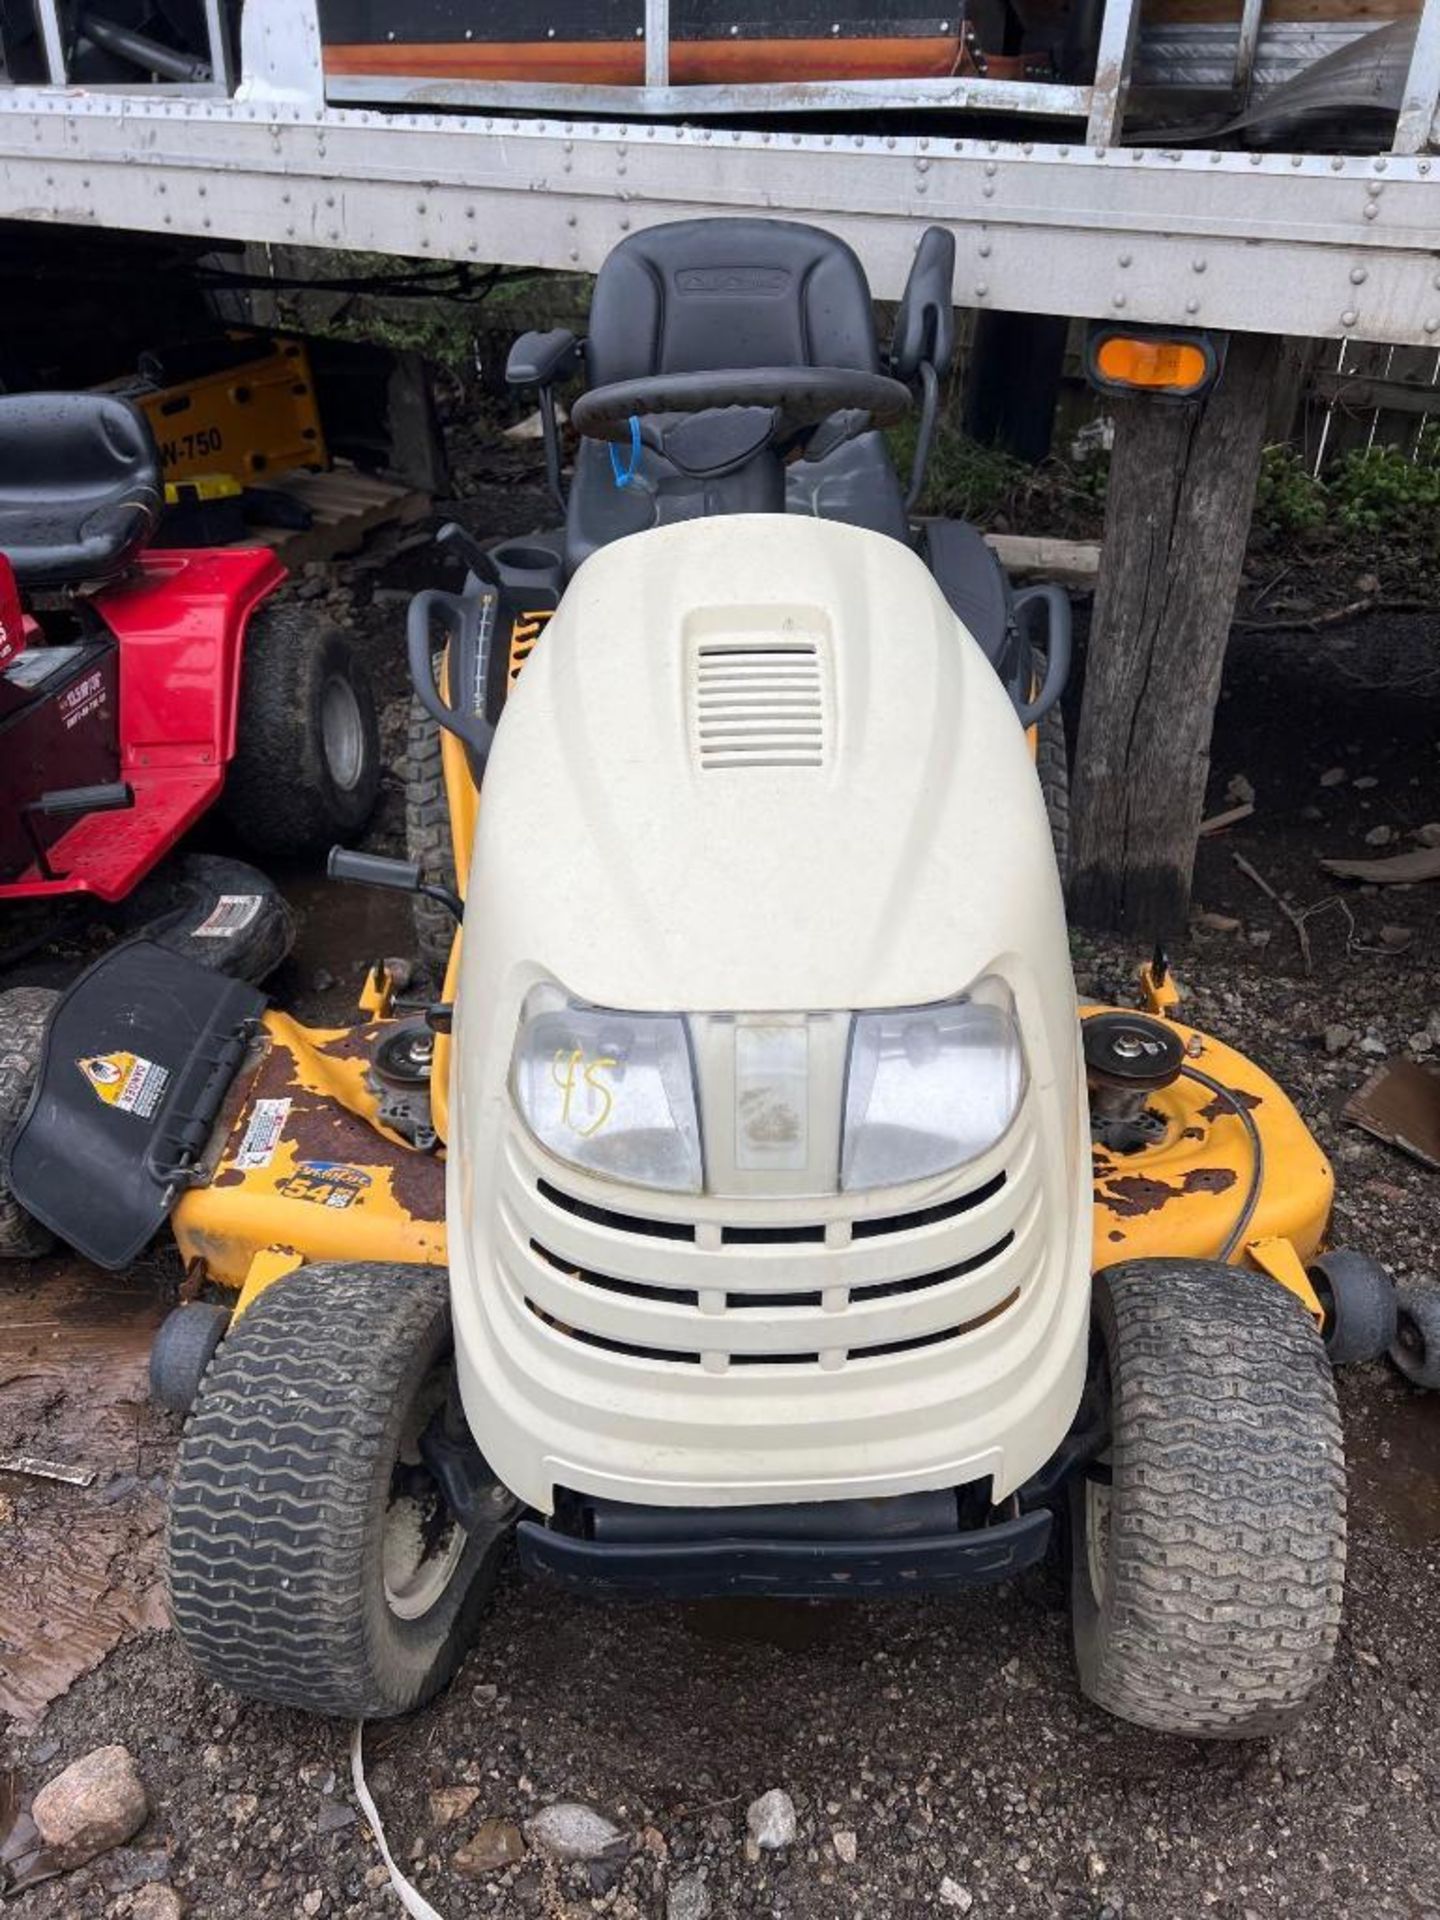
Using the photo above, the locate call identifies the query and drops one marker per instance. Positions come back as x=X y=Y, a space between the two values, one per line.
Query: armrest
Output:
x=540 y=359
x=925 y=323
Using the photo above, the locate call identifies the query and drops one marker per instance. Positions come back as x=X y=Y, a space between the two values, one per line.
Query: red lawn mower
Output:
x=139 y=688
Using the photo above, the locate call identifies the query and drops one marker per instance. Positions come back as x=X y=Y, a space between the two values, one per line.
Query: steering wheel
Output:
x=796 y=397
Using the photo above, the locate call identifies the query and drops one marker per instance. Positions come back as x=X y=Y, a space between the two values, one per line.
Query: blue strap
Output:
x=625 y=474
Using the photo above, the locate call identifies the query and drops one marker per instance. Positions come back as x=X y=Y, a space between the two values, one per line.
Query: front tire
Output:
x=306 y=771
x=1208 y=1553
x=24 y=1015
x=312 y=1559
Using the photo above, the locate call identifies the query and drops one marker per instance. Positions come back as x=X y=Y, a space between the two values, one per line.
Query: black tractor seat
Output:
x=80 y=487
x=698 y=294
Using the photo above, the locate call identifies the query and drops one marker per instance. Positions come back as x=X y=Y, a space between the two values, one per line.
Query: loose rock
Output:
x=771 y=1820
x=845 y=1844
x=952 y=1894
x=494 y=1844
x=1337 y=1039
x=451 y=1803
x=688 y=1899
x=1217 y=922
x=1380 y=836
x=153 y=1902
x=1333 y=777
x=95 y=1804
x=570 y=1831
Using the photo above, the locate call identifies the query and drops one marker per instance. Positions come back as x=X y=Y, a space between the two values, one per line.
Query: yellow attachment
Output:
x=202 y=486
x=305 y=1166
x=1279 y=1259
x=377 y=996
x=525 y=630
x=1181 y=1197
x=269 y=1265
x=1161 y=996
x=248 y=420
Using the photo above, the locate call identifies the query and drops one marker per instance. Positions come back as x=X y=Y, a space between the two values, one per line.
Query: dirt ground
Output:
x=947 y=1738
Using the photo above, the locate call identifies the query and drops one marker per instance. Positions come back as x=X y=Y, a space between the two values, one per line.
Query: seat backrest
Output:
x=80 y=486
x=700 y=294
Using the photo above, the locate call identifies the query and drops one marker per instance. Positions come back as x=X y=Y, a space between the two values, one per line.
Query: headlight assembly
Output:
x=613 y=1093
x=926 y=1089
x=929 y=1088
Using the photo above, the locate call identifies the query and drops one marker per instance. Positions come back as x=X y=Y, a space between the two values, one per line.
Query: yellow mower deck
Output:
x=306 y=1171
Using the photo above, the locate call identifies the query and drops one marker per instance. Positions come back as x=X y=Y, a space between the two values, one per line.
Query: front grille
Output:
x=742 y=1293
x=681 y=1357
x=812 y=1234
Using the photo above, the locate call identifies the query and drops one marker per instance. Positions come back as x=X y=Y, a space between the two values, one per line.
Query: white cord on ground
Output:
x=413 y=1901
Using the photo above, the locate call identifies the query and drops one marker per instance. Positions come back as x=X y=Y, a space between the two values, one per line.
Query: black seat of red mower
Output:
x=80 y=487
x=700 y=294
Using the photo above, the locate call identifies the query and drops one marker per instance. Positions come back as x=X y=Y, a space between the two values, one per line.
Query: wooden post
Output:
x=1182 y=486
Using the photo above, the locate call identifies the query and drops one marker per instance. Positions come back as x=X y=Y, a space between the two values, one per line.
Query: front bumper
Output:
x=790 y=1569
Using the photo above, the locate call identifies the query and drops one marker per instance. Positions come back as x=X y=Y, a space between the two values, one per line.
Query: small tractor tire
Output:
x=428 y=841
x=1208 y=1546
x=222 y=914
x=182 y=1349
x=24 y=1015
x=1415 y=1349
x=312 y=1559
x=1359 y=1301
x=306 y=771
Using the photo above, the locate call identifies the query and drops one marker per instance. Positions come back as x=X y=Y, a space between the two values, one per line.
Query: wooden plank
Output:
x=1069 y=563
x=347 y=506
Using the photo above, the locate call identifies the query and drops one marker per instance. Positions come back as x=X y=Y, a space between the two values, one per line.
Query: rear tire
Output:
x=1207 y=1576
x=1052 y=764
x=24 y=1015
x=311 y=1558
x=428 y=840
x=306 y=771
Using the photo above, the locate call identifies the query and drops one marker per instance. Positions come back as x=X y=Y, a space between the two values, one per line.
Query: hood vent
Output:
x=759 y=703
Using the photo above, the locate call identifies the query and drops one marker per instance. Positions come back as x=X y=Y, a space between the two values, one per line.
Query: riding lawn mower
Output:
x=139 y=688
x=751 y=1213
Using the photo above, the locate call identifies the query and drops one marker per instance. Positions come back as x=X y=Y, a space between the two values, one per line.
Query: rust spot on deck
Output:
x=1217 y=1109
x=1134 y=1193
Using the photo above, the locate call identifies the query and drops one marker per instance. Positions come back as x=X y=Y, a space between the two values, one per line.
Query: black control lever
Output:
x=400 y=876
x=475 y=556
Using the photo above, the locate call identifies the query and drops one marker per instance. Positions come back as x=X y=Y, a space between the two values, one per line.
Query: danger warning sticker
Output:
x=127 y=1081
x=230 y=913
x=262 y=1133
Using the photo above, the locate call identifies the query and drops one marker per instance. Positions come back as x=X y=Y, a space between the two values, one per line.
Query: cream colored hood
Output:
x=754 y=763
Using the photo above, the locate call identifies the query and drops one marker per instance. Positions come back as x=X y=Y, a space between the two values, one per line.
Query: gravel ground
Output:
x=938 y=1753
